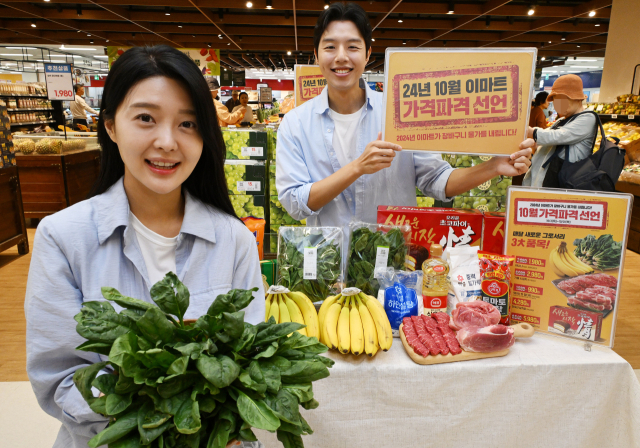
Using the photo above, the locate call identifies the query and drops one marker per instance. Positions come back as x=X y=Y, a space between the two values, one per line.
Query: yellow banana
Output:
x=355 y=329
x=567 y=260
x=267 y=305
x=284 y=312
x=555 y=268
x=379 y=316
x=344 y=336
x=368 y=328
x=576 y=261
x=322 y=314
x=331 y=324
x=294 y=313
x=561 y=265
x=308 y=311
x=274 y=309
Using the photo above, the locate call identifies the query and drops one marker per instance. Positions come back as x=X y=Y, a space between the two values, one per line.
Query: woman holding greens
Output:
x=160 y=205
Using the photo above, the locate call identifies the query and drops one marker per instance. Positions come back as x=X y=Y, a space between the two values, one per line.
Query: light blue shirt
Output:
x=90 y=245
x=306 y=155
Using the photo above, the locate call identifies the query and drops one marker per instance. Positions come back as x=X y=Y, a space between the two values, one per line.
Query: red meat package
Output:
x=496 y=272
x=493 y=232
x=449 y=227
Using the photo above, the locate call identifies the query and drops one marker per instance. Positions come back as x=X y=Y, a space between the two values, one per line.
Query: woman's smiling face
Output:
x=156 y=131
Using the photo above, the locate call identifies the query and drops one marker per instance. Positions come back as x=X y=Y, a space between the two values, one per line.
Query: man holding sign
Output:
x=333 y=166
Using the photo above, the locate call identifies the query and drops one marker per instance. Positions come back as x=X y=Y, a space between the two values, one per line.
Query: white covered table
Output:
x=547 y=392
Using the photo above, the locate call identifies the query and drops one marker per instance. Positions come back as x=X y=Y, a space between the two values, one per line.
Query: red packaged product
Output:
x=579 y=324
x=496 y=272
x=493 y=232
x=431 y=225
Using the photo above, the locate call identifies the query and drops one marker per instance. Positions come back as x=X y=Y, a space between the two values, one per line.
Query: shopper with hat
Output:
x=225 y=118
x=575 y=130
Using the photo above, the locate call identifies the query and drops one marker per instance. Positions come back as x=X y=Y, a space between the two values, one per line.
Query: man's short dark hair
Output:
x=338 y=11
x=75 y=88
x=244 y=93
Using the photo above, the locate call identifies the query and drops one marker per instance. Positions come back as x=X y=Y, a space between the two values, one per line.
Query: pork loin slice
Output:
x=474 y=314
x=486 y=339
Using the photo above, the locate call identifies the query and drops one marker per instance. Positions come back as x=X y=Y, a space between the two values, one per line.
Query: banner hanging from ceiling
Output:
x=207 y=59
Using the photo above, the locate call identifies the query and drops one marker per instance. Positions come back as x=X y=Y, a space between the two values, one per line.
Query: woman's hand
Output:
x=530 y=132
x=517 y=163
x=377 y=155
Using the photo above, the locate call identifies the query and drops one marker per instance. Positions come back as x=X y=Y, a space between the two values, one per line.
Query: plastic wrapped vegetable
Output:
x=373 y=246
x=310 y=260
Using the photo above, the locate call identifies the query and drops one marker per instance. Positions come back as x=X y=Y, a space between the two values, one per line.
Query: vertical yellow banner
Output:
x=569 y=248
x=309 y=83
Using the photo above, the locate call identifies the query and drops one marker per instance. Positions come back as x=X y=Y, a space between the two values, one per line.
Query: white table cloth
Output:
x=547 y=392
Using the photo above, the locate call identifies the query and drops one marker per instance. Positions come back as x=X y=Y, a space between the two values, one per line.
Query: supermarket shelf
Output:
x=33 y=122
x=620 y=117
x=24 y=109
x=22 y=96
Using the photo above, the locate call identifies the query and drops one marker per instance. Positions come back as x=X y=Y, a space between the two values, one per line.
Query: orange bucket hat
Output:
x=569 y=85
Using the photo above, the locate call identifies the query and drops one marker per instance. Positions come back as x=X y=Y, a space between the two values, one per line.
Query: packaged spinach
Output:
x=310 y=260
x=375 y=247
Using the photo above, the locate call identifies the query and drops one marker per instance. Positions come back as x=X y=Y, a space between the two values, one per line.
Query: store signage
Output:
x=59 y=82
x=309 y=83
x=239 y=78
x=207 y=59
x=569 y=248
x=458 y=101
x=265 y=95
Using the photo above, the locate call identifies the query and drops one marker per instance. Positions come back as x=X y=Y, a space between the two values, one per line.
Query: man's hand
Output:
x=377 y=155
x=530 y=132
x=517 y=163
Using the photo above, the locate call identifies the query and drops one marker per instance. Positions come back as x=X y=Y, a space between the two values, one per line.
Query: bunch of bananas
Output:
x=565 y=263
x=354 y=323
x=290 y=306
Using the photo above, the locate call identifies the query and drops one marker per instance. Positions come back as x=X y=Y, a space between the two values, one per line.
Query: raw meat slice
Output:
x=424 y=336
x=604 y=291
x=586 y=281
x=567 y=286
x=474 y=314
x=586 y=295
x=605 y=280
x=432 y=328
x=594 y=297
x=412 y=338
x=486 y=339
x=447 y=334
x=587 y=305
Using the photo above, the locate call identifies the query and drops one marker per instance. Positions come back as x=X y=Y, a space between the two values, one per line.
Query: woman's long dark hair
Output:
x=207 y=181
x=540 y=99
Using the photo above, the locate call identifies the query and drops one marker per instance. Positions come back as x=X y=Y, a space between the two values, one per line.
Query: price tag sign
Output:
x=310 y=268
x=59 y=82
x=252 y=151
x=631 y=117
x=614 y=116
x=248 y=185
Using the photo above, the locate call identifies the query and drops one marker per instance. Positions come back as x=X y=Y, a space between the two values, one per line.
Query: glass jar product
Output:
x=435 y=286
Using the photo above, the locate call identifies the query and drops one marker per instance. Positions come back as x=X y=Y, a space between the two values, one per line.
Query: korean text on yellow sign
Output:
x=309 y=83
x=465 y=101
x=569 y=248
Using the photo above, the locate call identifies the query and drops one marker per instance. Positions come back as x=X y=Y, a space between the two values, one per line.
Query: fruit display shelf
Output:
x=245 y=144
x=246 y=177
x=245 y=205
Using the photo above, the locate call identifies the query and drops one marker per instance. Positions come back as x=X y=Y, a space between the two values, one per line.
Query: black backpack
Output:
x=597 y=172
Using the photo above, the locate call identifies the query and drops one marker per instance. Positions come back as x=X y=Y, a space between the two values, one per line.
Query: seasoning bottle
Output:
x=435 y=286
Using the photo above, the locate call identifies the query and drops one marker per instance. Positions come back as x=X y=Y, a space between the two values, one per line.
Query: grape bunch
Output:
x=279 y=216
x=425 y=202
x=497 y=187
x=234 y=174
x=272 y=179
x=272 y=138
x=273 y=238
x=485 y=204
x=244 y=206
x=234 y=141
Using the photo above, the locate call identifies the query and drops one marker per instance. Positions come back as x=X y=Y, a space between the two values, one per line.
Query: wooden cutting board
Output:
x=520 y=331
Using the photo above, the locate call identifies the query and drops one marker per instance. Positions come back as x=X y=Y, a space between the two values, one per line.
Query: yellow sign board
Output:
x=309 y=83
x=569 y=248
x=467 y=101
x=207 y=59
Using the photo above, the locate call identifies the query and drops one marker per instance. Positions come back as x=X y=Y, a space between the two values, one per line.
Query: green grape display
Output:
x=486 y=204
x=272 y=138
x=234 y=141
x=244 y=206
x=272 y=179
x=273 y=238
x=279 y=216
x=234 y=174
x=425 y=202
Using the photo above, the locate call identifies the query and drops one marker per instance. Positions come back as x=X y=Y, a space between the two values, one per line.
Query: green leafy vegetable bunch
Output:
x=601 y=253
x=291 y=262
x=178 y=385
x=363 y=251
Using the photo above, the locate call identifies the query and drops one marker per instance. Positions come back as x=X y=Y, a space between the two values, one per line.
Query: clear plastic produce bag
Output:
x=371 y=247
x=310 y=260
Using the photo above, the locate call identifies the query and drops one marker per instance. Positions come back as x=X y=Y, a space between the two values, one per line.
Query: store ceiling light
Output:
x=167 y=11
x=578 y=46
x=400 y=19
x=592 y=13
x=450 y=9
x=209 y=45
x=219 y=36
x=249 y=5
x=326 y=4
x=543 y=58
x=179 y=26
x=597 y=24
x=487 y=21
x=532 y=10
x=269 y=4
x=79 y=9
x=90 y=41
x=372 y=39
x=404 y=42
x=289 y=53
x=33 y=25
x=15 y=54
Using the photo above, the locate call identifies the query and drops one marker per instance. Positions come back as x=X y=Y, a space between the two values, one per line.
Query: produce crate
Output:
x=270 y=269
x=246 y=177
x=278 y=215
x=272 y=138
x=245 y=144
x=246 y=205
